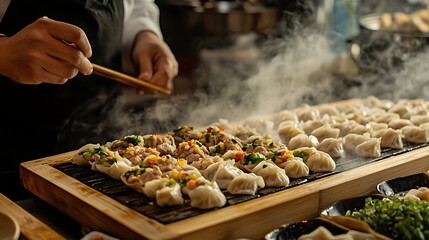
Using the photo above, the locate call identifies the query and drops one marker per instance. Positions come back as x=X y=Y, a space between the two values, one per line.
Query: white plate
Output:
x=9 y=227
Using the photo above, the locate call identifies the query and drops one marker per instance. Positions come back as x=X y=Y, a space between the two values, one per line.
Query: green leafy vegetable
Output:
x=397 y=218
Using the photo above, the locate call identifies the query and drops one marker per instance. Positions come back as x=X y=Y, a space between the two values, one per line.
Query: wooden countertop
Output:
x=31 y=227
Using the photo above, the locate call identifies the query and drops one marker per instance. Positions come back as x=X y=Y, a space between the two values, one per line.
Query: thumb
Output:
x=145 y=68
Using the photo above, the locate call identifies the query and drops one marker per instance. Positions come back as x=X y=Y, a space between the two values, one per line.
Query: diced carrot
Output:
x=181 y=162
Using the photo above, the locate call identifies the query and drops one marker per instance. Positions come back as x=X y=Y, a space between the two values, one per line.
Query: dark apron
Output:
x=39 y=120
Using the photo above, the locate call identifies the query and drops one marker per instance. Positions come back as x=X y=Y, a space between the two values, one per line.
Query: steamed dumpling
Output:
x=303 y=140
x=321 y=162
x=369 y=148
x=389 y=138
x=352 y=140
x=287 y=132
x=170 y=195
x=111 y=163
x=86 y=154
x=273 y=175
x=205 y=194
x=138 y=176
x=150 y=188
x=325 y=131
x=246 y=184
x=225 y=172
x=333 y=147
x=415 y=134
x=296 y=168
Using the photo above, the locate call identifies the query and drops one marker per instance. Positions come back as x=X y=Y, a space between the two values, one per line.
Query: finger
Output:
x=71 y=54
x=69 y=33
x=145 y=68
x=52 y=78
x=59 y=68
x=42 y=76
x=161 y=78
x=164 y=73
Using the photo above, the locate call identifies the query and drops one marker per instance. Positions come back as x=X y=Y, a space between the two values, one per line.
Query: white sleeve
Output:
x=139 y=15
x=4 y=4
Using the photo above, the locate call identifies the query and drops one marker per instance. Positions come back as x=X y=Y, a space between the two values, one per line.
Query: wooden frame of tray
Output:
x=251 y=219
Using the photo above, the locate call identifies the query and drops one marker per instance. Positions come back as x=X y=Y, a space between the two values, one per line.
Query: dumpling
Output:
x=325 y=131
x=303 y=140
x=223 y=175
x=205 y=162
x=401 y=109
x=419 y=119
x=185 y=133
x=286 y=133
x=311 y=125
x=359 y=129
x=320 y=162
x=169 y=195
x=249 y=161
x=165 y=162
x=246 y=184
x=415 y=134
x=211 y=170
x=344 y=126
x=369 y=148
x=86 y=154
x=352 y=140
x=192 y=150
x=273 y=175
x=138 y=176
x=260 y=124
x=307 y=113
x=333 y=147
x=205 y=194
x=111 y=164
x=359 y=118
x=296 y=168
x=304 y=152
x=328 y=110
x=287 y=123
x=165 y=191
x=374 y=126
x=164 y=144
x=387 y=117
x=399 y=123
x=150 y=188
x=285 y=115
x=389 y=138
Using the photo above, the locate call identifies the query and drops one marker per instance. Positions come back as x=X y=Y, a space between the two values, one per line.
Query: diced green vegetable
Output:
x=397 y=218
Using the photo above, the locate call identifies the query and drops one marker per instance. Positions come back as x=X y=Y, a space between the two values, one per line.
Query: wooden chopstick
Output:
x=126 y=79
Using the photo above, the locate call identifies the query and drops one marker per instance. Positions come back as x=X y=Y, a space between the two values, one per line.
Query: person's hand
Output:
x=154 y=60
x=45 y=51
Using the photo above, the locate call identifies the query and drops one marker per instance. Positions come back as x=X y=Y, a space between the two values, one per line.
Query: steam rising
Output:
x=278 y=73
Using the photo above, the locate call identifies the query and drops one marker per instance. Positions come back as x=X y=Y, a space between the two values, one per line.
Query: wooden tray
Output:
x=250 y=219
